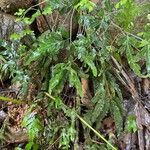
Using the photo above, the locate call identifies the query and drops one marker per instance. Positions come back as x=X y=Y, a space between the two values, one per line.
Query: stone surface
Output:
x=8 y=25
x=11 y=6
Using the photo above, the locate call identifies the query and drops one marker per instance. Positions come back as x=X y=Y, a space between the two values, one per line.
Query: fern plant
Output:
x=34 y=126
x=87 y=56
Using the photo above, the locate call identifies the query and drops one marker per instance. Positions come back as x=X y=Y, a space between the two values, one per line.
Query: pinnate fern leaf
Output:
x=115 y=111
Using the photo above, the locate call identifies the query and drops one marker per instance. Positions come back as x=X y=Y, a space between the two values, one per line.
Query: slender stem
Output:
x=12 y=100
x=84 y=122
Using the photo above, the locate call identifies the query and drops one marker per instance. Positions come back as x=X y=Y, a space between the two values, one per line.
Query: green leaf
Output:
x=127 y=11
x=120 y=3
x=101 y=105
x=148 y=16
x=81 y=51
x=47 y=10
x=20 y=12
x=34 y=56
x=51 y=43
x=99 y=98
x=35 y=146
x=74 y=81
x=48 y=44
x=18 y=148
x=57 y=79
x=131 y=124
x=2 y=58
x=16 y=36
x=131 y=59
x=143 y=43
x=117 y=96
x=27 y=20
x=117 y=116
x=29 y=146
x=148 y=59
x=89 y=60
x=32 y=123
x=85 y=5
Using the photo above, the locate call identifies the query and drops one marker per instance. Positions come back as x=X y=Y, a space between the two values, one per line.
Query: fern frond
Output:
x=118 y=98
x=115 y=111
x=128 y=12
x=99 y=105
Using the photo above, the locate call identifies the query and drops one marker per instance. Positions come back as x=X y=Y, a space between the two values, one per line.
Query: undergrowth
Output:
x=105 y=31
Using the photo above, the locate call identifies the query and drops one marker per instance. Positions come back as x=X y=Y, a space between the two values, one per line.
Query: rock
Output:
x=3 y=115
x=12 y=6
x=8 y=26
